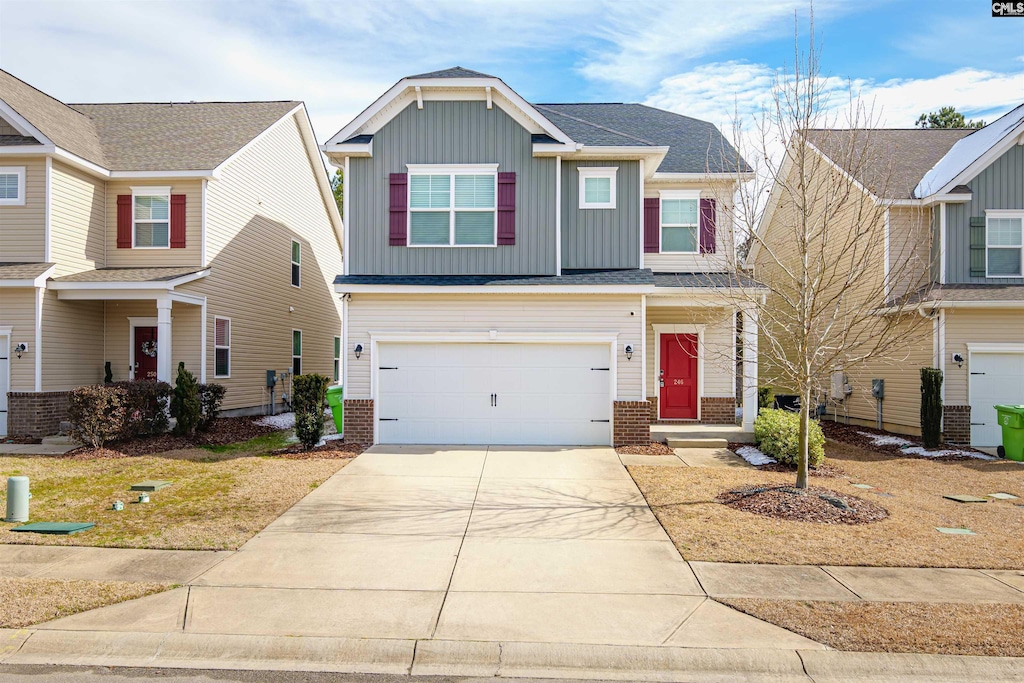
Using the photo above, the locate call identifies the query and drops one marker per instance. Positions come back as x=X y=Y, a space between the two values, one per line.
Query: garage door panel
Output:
x=996 y=378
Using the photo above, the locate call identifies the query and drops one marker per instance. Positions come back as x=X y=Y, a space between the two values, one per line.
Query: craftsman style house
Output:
x=534 y=273
x=144 y=235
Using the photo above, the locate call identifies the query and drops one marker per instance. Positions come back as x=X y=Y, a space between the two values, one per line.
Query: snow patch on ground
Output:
x=329 y=437
x=886 y=439
x=279 y=421
x=754 y=456
x=942 y=453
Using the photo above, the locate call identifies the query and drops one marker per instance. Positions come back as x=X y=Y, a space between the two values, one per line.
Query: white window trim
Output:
x=292 y=342
x=337 y=358
x=217 y=347
x=152 y=192
x=610 y=172
x=20 y=172
x=450 y=170
x=1004 y=213
x=296 y=263
x=692 y=195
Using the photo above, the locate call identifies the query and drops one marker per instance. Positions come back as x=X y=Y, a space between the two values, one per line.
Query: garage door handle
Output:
x=600 y=420
x=977 y=424
x=977 y=373
x=388 y=419
x=606 y=369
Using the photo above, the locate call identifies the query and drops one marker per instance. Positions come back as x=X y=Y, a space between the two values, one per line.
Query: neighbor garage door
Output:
x=492 y=393
x=996 y=378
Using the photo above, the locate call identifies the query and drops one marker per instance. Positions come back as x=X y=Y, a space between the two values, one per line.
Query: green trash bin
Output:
x=1011 y=419
x=336 y=401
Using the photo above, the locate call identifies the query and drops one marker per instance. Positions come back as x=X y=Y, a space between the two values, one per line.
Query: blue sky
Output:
x=704 y=58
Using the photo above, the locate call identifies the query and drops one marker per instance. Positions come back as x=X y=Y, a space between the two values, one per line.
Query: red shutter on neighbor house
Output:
x=707 y=226
x=652 y=224
x=177 y=221
x=506 y=208
x=124 y=221
x=399 y=222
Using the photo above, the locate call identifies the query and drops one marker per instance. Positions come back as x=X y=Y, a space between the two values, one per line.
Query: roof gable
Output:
x=453 y=72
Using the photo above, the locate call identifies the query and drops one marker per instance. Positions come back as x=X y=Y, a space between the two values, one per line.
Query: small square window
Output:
x=597 y=187
x=12 y=185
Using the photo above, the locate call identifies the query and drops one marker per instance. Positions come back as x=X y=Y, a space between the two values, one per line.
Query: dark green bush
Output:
x=765 y=397
x=777 y=433
x=931 y=407
x=96 y=414
x=210 y=398
x=185 y=406
x=145 y=406
x=308 y=395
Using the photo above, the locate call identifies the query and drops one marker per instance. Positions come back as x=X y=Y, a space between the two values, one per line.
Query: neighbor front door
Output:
x=145 y=353
x=678 y=377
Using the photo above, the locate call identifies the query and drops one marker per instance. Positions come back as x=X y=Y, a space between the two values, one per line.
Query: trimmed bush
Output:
x=145 y=407
x=96 y=414
x=308 y=395
x=765 y=397
x=210 y=398
x=777 y=433
x=931 y=407
x=185 y=406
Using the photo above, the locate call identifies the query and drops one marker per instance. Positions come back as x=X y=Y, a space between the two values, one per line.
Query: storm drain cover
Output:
x=1002 y=496
x=947 y=530
x=150 y=485
x=961 y=498
x=64 y=528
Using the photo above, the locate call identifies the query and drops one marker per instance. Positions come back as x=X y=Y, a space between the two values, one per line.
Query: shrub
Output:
x=210 y=398
x=777 y=433
x=96 y=414
x=185 y=405
x=765 y=397
x=308 y=395
x=145 y=408
x=931 y=407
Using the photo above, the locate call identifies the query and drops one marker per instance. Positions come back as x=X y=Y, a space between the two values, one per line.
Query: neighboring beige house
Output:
x=954 y=211
x=143 y=235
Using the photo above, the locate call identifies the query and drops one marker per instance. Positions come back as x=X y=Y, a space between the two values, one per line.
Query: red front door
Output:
x=145 y=353
x=678 y=375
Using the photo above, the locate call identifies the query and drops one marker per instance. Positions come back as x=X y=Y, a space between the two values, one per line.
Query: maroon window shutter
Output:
x=399 y=225
x=707 y=226
x=177 y=221
x=652 y=225
x=124 y=221
x=506 y=208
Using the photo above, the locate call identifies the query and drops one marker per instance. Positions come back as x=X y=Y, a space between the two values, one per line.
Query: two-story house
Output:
x=524 y=273
x=147 y=234
x=954 y=207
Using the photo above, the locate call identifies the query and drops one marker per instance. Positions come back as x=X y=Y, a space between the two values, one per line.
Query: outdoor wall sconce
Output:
x=358 y=350
x=629 y=352
x=20 y=349
x=958 y=359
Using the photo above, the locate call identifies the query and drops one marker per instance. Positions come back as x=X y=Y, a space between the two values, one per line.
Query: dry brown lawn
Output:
x=994 y=630
x=218 y=500
x=684 y=501
x=24 y=602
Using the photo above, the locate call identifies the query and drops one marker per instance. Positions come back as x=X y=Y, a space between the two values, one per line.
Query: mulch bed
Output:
x=855 y=435
x=814 y=504
x=825 y=469
x=223 y=431
x=332 y=450
x=654 y=448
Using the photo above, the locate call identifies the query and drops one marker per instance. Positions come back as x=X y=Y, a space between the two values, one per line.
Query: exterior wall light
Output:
x=20 y=349
x=629 y=352
x=358 y=350
x=957 y=358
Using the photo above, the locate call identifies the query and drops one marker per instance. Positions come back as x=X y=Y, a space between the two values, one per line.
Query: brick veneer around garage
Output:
x=956 y=425
x=718 y=410
x=632 y=423
x=359 y=420
x=36 y=414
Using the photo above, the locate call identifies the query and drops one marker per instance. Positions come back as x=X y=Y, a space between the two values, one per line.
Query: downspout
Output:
x=558 y=215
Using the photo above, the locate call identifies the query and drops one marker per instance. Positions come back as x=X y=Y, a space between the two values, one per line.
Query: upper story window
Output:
x=151 y=217
x=597 y=187
x=296 y=264
x=453 y=206
x=680 y=221
x=1004 y=247
x=12 y=185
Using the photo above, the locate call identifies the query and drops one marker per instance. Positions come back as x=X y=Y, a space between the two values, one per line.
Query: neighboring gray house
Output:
x=533 y=273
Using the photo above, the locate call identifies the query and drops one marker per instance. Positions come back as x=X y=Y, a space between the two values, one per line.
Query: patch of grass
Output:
x=24 y=602
x=992 y=630
x=260 y=444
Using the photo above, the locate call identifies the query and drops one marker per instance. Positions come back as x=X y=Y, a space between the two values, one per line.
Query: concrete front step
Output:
x=697 y=443
x=58 y=440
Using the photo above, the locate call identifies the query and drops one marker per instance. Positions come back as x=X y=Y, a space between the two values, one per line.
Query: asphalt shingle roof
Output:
x=453 y=72
x=22 y=271
x=969 y=292
x=130 y=274
x=704 y=280
x=568 y=277
x=17 y=140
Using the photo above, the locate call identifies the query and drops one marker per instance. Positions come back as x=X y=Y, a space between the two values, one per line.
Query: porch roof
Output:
x=118 y=284
x=705 y=280
x=133 y=275
x=22 y=272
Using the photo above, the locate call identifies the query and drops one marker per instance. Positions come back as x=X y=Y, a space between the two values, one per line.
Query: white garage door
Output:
x=996 y=378
x=492 y=393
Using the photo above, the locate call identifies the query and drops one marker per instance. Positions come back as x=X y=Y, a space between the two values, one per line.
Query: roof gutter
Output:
x=493 y=289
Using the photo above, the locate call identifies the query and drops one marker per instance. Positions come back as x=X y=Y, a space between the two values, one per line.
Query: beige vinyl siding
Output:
x=191 y=255
x=695 y=263
x=185 y=329
x=77 y=220
x=72 y=342
x=23 y=227
x=977 y=326
x=18 y=311
x=264 y=199
x=909 y=258
x=719 y=346
x=544 y=314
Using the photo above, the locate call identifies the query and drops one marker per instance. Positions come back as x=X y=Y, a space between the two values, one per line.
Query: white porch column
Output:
x=749 y=367
x=163 y=340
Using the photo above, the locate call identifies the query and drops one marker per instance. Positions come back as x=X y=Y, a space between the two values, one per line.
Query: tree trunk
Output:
x=802 y=462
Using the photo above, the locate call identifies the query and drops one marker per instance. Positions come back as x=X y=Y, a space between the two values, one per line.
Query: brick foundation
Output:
x=632 y=423
x=653 y=400
x=36 y=414
x=956 y=425
x=718 y=410
x=359 y=421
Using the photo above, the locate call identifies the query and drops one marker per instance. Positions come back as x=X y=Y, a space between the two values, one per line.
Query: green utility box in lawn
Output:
x=336 y=400
x=1011 y=419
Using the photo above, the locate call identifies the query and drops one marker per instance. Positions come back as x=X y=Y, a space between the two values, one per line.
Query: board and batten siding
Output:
x=72 y=342
x=265 y=198
x=719 y=346
x=601 y=238
x=999 y=186
x=18 y=311
x=544 y=314
x=23 y=227
x=965 y=326
x=185 y=326
x=77 y=220
x=191 y=255
x=446 y=132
